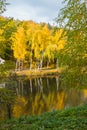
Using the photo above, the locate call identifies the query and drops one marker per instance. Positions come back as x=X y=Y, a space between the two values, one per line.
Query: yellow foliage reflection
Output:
x=19 y=107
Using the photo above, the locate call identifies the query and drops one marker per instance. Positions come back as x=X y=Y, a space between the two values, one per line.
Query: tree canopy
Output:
x=39 y=44
x=73 y=20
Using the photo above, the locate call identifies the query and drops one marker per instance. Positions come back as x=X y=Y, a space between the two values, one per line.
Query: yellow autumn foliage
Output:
x=59 y=40
x=2 y=39
x=18 y=45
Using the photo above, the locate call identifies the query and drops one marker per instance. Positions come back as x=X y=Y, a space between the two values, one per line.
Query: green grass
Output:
x=68 y=119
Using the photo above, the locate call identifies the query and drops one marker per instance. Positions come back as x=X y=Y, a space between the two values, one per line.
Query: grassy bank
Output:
x=68 y=119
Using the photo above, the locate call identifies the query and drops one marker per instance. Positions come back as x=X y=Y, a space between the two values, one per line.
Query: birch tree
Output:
x=19 y=47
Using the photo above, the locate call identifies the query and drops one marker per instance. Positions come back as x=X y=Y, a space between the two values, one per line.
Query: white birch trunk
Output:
x=48 y=62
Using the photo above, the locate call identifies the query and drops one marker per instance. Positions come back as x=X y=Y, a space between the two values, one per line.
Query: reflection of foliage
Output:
x=7 y=98
x=19 y=106
x=45 y=95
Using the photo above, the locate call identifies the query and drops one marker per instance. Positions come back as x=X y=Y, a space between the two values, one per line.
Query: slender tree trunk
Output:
x=41 y=61
x=41 y=87
x=37 y=84
x=47 y=82
x=38 y=65
x=57 y=63
x=21 y=64
x=57 y=82
x=19 y=85
x=48 y=62
x=31 y=85
x=22 y=87
x=17 y=91
x=31 y=60
x=16 y=65
x=30 y=63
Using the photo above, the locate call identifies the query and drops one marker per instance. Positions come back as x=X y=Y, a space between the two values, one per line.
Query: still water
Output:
x=37 y=95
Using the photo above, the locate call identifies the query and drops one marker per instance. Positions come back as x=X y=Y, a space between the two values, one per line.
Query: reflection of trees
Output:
x=48 y=103
x=85 y=93
x=42 y=100
x=20 y=106
x=48 y=82
x=31 y=85
x=84 y=97
x=7 y=99
x=57 y=82
x=73 y=97
x=19 y=88
x=22 y=88
x=38 y=95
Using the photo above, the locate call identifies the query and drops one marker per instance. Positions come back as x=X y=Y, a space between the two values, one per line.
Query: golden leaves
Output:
x=37 y=41
x=18 y=45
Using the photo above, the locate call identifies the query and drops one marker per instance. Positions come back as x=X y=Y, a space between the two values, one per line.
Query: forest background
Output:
x=38 y=45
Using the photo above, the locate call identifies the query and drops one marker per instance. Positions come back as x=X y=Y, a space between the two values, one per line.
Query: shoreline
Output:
x=42 y=72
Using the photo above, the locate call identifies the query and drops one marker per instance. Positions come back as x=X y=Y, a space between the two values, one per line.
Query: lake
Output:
x=35 y=96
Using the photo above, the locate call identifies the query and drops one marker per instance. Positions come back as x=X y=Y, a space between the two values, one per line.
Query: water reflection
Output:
x=37 y=95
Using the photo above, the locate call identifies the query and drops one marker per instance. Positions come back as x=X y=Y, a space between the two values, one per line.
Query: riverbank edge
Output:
x=42 y=72
x=31 y=73
x=70 y=118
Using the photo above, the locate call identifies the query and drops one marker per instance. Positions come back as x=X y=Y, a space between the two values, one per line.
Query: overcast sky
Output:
x=36 y=10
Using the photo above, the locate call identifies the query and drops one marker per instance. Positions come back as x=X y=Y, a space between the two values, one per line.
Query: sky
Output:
x=36 y=10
